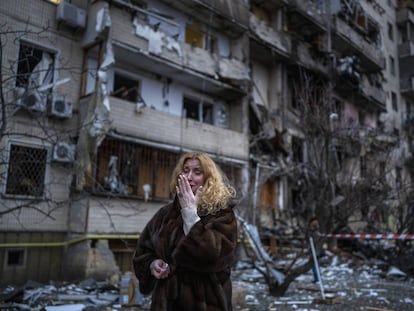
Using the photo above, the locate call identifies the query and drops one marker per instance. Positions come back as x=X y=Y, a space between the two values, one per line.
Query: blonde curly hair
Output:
x=216 y=192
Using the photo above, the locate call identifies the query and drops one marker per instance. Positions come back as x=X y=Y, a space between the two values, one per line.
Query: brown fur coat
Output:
x=200 y=262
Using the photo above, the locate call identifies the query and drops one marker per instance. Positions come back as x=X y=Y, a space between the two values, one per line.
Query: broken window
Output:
x=363 y=166
x=26 y=171
x=35 y=70
x=390 y=32
x=394 y=101
x=200 y=111
x=124 y=168
x=398 y=177
x=391 y=63
x=125 y=87
x=15 y=258
x=195 y=37
x=353 y=13
x=297 y=149
x=210 y=43
x=293 y=92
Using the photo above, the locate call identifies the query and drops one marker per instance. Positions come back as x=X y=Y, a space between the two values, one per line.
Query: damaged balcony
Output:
x=306 y=56
x=306 y=16
x=269 y=5
x=407 y=87
x=347 y=41
x=148 y=126
x=231 y=16
x=365 y=91
x=405 y=19
x=144 y=47
x=198 y=72
x=266 y=43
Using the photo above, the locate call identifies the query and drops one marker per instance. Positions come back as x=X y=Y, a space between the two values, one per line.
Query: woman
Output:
x=185 y=252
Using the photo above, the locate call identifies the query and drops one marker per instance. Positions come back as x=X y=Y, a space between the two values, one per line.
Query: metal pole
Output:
x=316 y=263
x=256 y=185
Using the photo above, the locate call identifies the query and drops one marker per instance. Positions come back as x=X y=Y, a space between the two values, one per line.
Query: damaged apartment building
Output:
x=101 y=97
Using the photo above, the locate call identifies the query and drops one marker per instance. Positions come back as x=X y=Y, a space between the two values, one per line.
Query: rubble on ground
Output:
x=348 y=283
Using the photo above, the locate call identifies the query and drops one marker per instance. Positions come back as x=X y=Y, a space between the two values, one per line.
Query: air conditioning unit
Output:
x=32 y=101
x=60 y=107
x=71 y=15
x=64 y=152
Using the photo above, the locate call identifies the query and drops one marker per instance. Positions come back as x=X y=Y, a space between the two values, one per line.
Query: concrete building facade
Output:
x=101 y=97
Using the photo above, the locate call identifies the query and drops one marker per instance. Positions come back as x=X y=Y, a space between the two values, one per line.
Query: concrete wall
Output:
x=164 y=127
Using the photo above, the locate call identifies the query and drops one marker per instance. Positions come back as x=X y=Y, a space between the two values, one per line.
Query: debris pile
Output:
x=87 y=295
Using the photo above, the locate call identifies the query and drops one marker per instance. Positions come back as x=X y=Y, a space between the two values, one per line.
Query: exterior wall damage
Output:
x=151 y=79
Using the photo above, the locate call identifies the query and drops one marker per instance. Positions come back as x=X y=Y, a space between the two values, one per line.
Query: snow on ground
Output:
x=346 y=285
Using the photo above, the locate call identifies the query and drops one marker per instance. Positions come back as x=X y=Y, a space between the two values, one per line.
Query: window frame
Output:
x=6 y=266
x=43 y=48
x=125 y=75
x=394 y=101
x=34 y=145
x=204 y=108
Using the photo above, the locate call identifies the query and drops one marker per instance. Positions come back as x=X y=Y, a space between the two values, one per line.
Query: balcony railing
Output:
x=348 y=39
x=162 y=127
x=405 y=15
x=139 y=45
x=373 y=92
x=406 y=49
x=278 y=41
x=233 y=14
x=312 y=13
x=308 y=58
x=407 y=86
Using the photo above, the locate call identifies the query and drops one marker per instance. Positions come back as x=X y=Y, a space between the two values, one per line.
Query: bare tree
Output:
x=346 y=176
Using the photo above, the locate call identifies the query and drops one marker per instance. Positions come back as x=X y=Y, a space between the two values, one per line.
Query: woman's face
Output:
x=195 y=176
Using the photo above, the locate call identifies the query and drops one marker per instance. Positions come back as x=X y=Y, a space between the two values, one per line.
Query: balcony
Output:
x=362 y=91
x=373 y=94
x=231 y=17
x=405 y=15
x=406 y=49
x=347 y=41
x=138 y=45
x=407 y=87
x=305 y=16
x=157 y=127
x=270 y=5
x=267 y=43
x=305 y=56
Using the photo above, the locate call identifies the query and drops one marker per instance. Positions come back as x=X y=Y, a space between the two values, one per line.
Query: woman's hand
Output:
x=185 y=193
x=159 y=269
